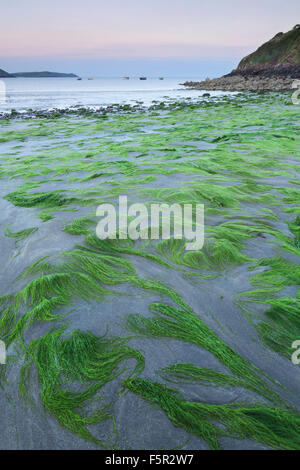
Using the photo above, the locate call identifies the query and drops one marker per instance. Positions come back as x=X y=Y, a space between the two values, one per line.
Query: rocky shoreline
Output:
x=54 y=113
x=274 y=79
x=83 y=111
x=274 y=66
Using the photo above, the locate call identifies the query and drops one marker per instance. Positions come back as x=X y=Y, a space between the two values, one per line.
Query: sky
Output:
x=179 y=38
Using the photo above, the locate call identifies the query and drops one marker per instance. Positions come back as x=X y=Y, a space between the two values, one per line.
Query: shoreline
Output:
x=243 y=83
x=104 y=111
x=72 y=111
x=251 y=79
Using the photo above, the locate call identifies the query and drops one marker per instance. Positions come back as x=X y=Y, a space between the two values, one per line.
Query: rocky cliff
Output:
x=279 y=54
x=272 y=67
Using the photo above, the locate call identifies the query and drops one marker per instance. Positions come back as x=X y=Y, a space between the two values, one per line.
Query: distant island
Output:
x=45 y=74
x=272 y=67
x=4 y=74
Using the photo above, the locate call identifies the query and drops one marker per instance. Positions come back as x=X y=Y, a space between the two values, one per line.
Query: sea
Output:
x=23 y=94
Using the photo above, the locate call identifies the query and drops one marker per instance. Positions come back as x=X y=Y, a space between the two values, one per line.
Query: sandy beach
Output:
x=131 y=321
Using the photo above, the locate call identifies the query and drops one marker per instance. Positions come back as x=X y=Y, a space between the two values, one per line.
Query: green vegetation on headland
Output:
x=283 y=50
x=273 y=67
x=98 y=330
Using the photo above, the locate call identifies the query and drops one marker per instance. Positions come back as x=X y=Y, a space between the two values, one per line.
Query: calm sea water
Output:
x=49 y=93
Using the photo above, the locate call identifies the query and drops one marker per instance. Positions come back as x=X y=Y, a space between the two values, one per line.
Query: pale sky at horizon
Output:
x=134 y=36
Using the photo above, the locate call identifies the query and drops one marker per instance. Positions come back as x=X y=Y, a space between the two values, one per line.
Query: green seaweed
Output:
x=80 y=358
x=271 y=426
x=171 y=322
x=21 y=235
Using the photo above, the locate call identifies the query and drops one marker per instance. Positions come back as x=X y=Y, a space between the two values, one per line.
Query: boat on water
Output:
x=143 y=78
x=90 y=79
x=126 y=78
x=79 y=78
x=161 y=78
